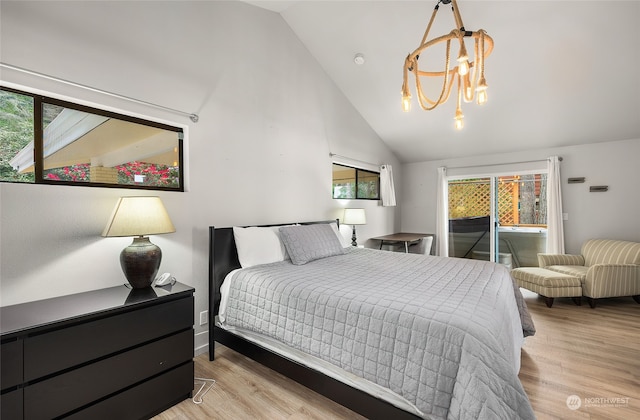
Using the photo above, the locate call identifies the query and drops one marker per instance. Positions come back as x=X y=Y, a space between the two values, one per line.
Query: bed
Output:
x=389 y=335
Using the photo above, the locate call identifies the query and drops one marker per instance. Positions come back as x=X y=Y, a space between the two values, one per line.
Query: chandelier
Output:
x=468 y=74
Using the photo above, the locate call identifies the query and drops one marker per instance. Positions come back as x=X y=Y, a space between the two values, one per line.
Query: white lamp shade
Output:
x=354 y=217
x=138 y=216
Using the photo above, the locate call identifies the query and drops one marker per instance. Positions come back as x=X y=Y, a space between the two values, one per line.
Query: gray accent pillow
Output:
x=310 y=242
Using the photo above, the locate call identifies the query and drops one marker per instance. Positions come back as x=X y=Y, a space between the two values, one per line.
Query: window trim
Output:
x=38 y=141
x=356 y=182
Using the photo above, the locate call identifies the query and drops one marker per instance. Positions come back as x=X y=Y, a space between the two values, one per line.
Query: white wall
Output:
x=269 y=117
x=612 y=214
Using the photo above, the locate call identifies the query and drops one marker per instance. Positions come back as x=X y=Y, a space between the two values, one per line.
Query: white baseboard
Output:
x=201 y=341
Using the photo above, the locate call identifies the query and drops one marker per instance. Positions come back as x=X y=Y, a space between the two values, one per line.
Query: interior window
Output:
x=354 y=183
x=79 y=145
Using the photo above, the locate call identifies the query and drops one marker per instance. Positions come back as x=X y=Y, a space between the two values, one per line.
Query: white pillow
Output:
x=259 y=245
x=343 y=240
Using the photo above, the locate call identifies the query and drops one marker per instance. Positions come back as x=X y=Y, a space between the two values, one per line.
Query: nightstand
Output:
x=104 y=354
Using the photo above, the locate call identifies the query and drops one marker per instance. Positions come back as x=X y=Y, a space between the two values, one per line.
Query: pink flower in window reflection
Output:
x=154 y=174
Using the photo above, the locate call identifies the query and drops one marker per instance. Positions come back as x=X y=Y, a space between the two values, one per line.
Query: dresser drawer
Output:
x=144 y=400
x=10 y=363
x=63 y=393
x=11 y=405
x=52 y=352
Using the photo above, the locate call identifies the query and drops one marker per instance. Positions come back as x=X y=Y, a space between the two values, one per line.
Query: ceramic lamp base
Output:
x=140 y=262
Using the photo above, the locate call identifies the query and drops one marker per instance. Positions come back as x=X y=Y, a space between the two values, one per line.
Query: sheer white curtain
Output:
x=442 y=213
x=555 y=229
x=387 y=189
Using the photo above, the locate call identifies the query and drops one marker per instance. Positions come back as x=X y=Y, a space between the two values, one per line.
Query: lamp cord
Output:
x=197 y=398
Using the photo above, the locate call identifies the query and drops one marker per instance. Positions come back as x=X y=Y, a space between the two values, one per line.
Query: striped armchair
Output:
x=606 y=268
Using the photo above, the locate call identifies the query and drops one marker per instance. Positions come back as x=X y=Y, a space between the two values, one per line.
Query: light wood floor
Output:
x=591 y=353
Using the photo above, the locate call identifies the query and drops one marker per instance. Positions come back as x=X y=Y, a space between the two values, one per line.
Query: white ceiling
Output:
x=562 y=72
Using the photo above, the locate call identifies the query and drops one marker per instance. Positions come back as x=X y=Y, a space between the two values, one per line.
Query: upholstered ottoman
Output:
x=548 y=284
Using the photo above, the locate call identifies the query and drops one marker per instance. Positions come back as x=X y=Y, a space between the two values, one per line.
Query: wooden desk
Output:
x=402 y=237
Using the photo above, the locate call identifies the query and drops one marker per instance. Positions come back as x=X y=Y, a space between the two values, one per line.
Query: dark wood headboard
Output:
x=223 y=258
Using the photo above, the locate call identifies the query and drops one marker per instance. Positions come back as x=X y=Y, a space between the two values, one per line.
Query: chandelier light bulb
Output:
x=406 y=104
x=482 y=92
x=458 y=120
x=482 y=97
x=463 y=66
x=406 y=101
x=463 y=59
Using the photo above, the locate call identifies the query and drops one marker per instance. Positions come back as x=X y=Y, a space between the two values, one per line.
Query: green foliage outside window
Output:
x=352 y=183
x=16 y=132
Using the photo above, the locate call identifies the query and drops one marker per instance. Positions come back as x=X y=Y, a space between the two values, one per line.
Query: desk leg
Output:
x=406 y=247
x=381 y=242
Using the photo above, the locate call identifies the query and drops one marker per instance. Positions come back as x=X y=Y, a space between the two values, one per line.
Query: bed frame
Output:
x=223 y=258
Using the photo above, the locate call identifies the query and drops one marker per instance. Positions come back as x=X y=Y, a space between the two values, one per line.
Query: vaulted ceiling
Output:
x=562 y=72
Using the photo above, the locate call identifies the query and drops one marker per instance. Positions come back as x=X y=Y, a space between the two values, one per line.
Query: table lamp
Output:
x=139 y=216
x=354 y=217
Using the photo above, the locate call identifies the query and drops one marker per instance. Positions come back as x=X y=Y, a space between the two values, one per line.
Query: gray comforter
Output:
x=440 y=332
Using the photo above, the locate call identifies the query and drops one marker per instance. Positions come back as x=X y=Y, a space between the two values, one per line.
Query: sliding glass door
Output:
x=499 y=218
x=470 y=209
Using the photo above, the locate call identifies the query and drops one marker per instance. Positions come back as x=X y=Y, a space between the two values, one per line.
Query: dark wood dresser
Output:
x=115 y=353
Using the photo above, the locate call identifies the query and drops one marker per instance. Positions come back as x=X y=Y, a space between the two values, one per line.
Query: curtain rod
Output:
x=192 y=116
x=355 y=160
x=500 y=164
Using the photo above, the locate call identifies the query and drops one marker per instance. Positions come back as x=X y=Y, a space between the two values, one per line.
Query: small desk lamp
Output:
x=354 y=217
x=139 y=216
